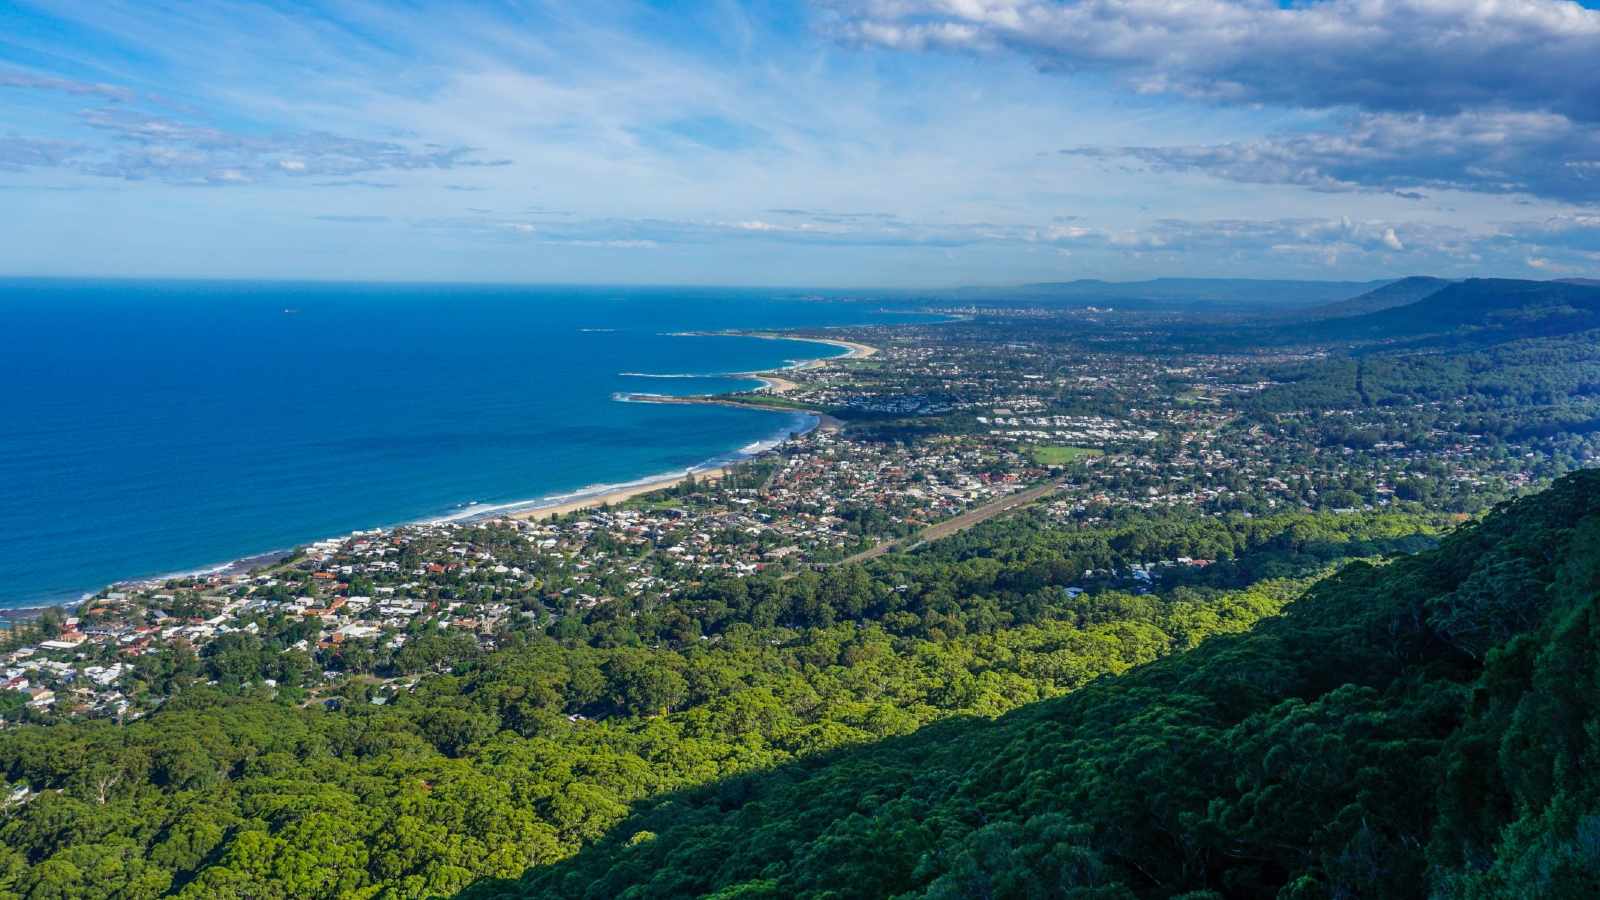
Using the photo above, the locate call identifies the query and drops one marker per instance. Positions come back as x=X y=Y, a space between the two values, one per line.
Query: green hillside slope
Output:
x=1479 y=310
x=1399 y=293
x=1425 y=727
x=483 y=765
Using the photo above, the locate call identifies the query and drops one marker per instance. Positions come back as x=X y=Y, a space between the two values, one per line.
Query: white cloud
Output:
x=29 y=81
x=1438 y=56
x=19 y=153
x=147 y=146
x=1538 y=154
x=754 y=146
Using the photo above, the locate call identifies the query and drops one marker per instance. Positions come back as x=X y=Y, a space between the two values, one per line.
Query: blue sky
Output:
x=880 y=142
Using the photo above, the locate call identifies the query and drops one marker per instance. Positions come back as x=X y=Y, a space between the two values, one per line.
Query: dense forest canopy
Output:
x=499 y=762
x=856 y=757
x=1422 y=727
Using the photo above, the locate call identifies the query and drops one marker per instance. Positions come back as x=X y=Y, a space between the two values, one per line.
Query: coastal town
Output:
x=923 y=432
x=810 y=450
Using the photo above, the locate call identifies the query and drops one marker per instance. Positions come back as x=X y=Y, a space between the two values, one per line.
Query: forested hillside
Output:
x=1475 y=311
x=1425 y=727
x=1399 y=293
x=1532 y=388
x=1097 y=695
x=947 y=723
x=487 y=764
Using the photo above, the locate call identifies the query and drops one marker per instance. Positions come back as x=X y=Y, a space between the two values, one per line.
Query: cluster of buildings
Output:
x=1094 y=431
x=943 y=420
x=45 y=674
x=813 y=501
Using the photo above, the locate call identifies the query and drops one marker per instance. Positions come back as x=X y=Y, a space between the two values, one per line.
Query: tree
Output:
x=640 y=685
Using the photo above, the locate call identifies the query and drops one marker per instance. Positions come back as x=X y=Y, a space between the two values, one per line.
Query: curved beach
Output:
x=601 y=495
x=773 y=383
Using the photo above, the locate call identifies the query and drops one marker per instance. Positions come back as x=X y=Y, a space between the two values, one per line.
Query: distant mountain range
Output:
x=1409 y=312
x=1397 y=293
x=1478 y=310
x=1217 y=294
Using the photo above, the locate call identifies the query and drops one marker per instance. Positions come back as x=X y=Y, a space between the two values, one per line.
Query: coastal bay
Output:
x=771 y=383
x=172 y=426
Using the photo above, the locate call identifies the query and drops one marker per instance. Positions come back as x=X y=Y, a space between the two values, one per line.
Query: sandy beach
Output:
x=612 y=498
x=775 y=384
x=854 y=350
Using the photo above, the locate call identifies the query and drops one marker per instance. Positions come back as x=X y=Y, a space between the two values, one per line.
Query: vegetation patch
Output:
x=1062 y=456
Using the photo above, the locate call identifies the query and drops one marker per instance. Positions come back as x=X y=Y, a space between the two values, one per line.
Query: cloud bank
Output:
x=1436 y=56
x=804 y=141
x=1488 y=96
x=139 y=145
x=1538 y=154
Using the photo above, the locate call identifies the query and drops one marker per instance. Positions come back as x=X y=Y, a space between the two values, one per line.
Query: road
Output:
x=971 y=517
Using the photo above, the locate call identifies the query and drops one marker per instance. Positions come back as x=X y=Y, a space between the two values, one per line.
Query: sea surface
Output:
x=151 y=427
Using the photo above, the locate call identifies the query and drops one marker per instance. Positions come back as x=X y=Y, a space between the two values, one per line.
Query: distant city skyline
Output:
x=880 y=143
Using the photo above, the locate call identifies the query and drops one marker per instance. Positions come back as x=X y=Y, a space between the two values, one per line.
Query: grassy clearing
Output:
x=1061 y=456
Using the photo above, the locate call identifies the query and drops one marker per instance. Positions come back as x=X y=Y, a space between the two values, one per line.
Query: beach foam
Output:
x=679 y=375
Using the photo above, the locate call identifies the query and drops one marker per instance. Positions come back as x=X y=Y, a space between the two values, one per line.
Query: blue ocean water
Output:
x=149 y=427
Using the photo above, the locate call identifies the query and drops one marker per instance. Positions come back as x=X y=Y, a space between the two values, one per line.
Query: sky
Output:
x=851 y=143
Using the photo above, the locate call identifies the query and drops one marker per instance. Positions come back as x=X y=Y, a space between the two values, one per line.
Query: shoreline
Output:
x=770 y=380
x=546 y=507
x=714 y=472
x=824 y=422
x=614 y=497
x=853 y=349
x=12 y=616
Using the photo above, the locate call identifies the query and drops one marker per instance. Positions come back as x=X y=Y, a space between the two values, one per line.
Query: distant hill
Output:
x=1590 y=282
x=1399 y=293
x=1236 y=294
x=1478 y=310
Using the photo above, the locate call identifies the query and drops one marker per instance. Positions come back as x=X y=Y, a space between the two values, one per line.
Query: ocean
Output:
x=151 y=427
